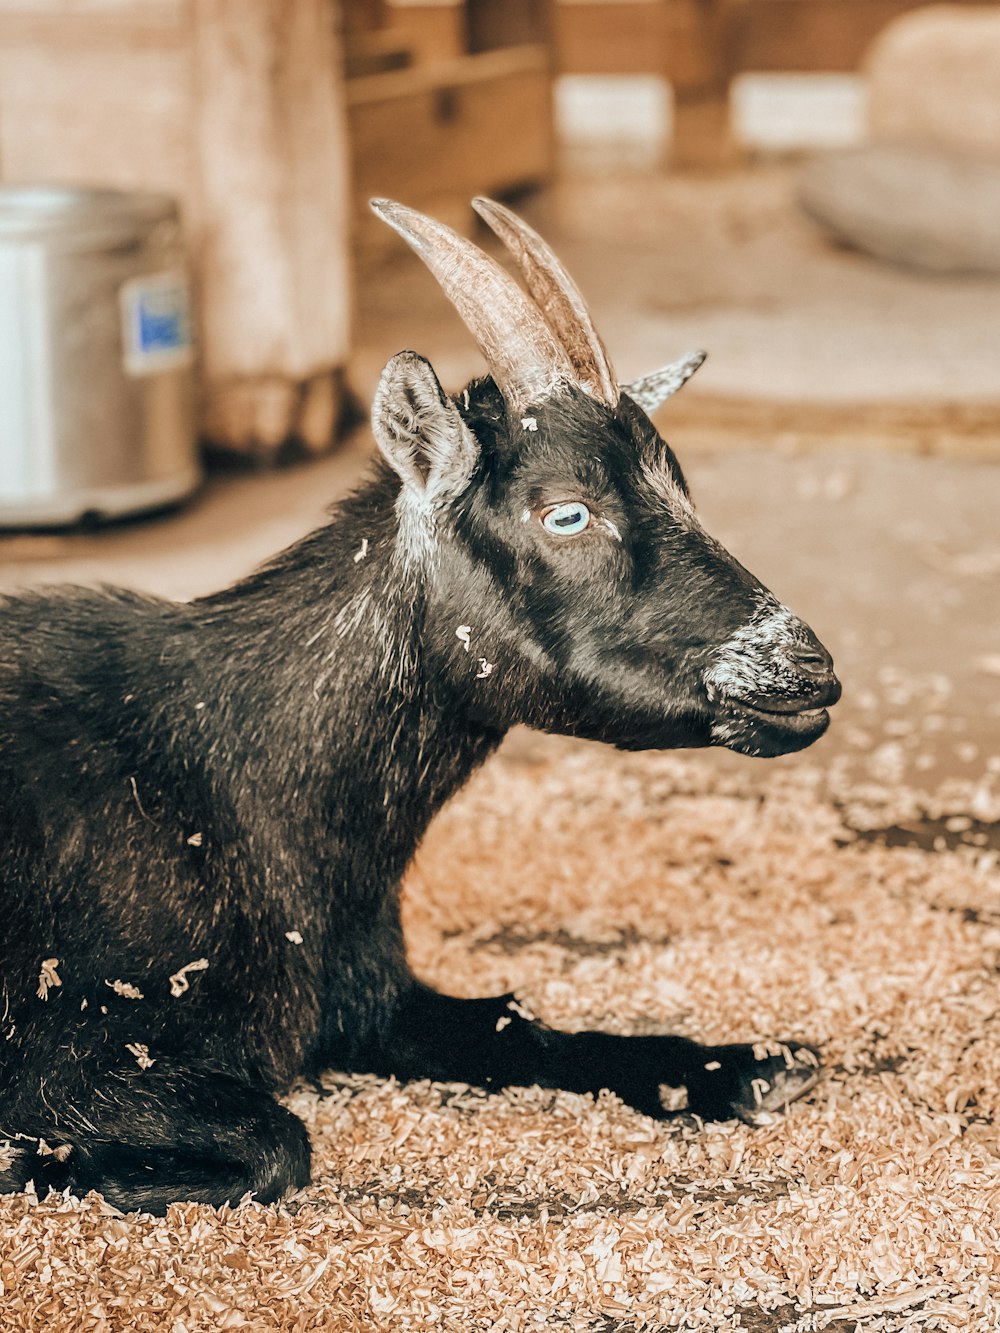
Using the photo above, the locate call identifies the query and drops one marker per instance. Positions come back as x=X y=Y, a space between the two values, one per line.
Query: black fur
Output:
x=244 y=780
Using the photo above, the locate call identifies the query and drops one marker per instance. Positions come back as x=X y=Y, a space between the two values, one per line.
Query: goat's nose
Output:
x=811 y=658
x=814 y=663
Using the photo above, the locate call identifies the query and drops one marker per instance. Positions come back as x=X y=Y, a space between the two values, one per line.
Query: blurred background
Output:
x=809 y=189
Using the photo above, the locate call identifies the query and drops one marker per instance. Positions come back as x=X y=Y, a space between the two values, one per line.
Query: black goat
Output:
x=207 y=809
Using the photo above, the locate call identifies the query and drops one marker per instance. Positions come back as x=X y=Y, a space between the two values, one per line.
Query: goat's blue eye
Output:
x=566 y=520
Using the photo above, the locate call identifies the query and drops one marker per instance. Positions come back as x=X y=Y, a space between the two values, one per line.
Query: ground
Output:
x=844 y=442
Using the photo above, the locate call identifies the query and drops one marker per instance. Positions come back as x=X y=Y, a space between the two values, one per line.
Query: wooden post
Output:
x=699 y=67
x=274 y=191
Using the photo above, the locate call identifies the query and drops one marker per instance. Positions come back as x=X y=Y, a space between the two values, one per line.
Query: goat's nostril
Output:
x=811 y=659
x=815 y=666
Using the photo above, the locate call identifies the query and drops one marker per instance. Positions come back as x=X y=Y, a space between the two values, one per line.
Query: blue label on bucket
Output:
x=156 y=318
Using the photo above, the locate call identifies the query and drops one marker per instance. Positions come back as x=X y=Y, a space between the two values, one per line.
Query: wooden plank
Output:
x=682 y=39
x=651 y=36
x=431 y=31
x=490 y=66
x=436 y=136
x=948 y=430
x=375 y=53
x=65 y=23
x=496 y=24
x=809 y=35
x=699 y=45
x=608 y=38
x=105 y=103
x=363 y=15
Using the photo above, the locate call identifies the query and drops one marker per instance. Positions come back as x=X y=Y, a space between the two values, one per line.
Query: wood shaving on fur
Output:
x=179 y=983
x=126 y=990
x=48 y=977
x=141 y=1053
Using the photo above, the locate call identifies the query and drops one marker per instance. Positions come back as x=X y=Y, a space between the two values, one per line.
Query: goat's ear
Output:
x=420 y=430
x=654 y=389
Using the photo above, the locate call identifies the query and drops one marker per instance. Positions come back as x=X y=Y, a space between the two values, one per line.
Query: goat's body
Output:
x=206 y=810
x=242 y=780
x=220 y=809
x=215 y=819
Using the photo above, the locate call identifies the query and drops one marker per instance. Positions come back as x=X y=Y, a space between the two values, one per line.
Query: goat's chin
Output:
x=663 y=742
x=678 y=732
x=766 y=735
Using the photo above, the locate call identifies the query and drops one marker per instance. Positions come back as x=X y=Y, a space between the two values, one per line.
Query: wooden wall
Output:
x=236 y=107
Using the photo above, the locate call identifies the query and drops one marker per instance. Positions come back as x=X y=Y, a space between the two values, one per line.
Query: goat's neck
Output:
x=351 y=725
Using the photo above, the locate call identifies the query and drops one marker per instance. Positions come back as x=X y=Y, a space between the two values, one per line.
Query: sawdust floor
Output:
x=643 y=893
x=848 y=896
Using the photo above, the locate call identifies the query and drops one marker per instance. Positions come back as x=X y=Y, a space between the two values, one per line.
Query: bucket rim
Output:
x=46 y=207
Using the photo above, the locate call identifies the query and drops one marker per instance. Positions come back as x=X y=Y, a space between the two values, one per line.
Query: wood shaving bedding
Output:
x=650 y=893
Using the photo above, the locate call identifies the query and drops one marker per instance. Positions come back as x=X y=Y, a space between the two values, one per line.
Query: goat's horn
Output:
x=559 y=299
x=654 y=389
x=525 y=360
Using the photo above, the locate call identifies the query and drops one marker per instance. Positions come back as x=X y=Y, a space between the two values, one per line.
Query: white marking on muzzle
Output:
x=754 y=660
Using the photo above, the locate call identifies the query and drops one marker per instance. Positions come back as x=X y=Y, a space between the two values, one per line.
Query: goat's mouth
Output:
x=750 y=729
x=799 y=720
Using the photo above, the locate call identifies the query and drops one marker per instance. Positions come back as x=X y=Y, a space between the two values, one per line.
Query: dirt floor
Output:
x=844 y=441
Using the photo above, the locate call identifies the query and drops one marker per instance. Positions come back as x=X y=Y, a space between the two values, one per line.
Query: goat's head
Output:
x=568 y=582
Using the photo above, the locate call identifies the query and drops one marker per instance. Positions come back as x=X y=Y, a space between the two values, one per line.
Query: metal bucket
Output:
x=96 y=356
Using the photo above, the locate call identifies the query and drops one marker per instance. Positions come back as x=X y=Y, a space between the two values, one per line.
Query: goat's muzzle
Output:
x=809 y=683
x=784 y=707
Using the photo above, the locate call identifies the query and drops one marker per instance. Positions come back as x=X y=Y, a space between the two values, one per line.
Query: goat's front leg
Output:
x=491 y=1043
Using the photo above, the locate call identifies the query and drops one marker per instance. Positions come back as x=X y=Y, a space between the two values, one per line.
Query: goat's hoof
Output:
x=753 y=1083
